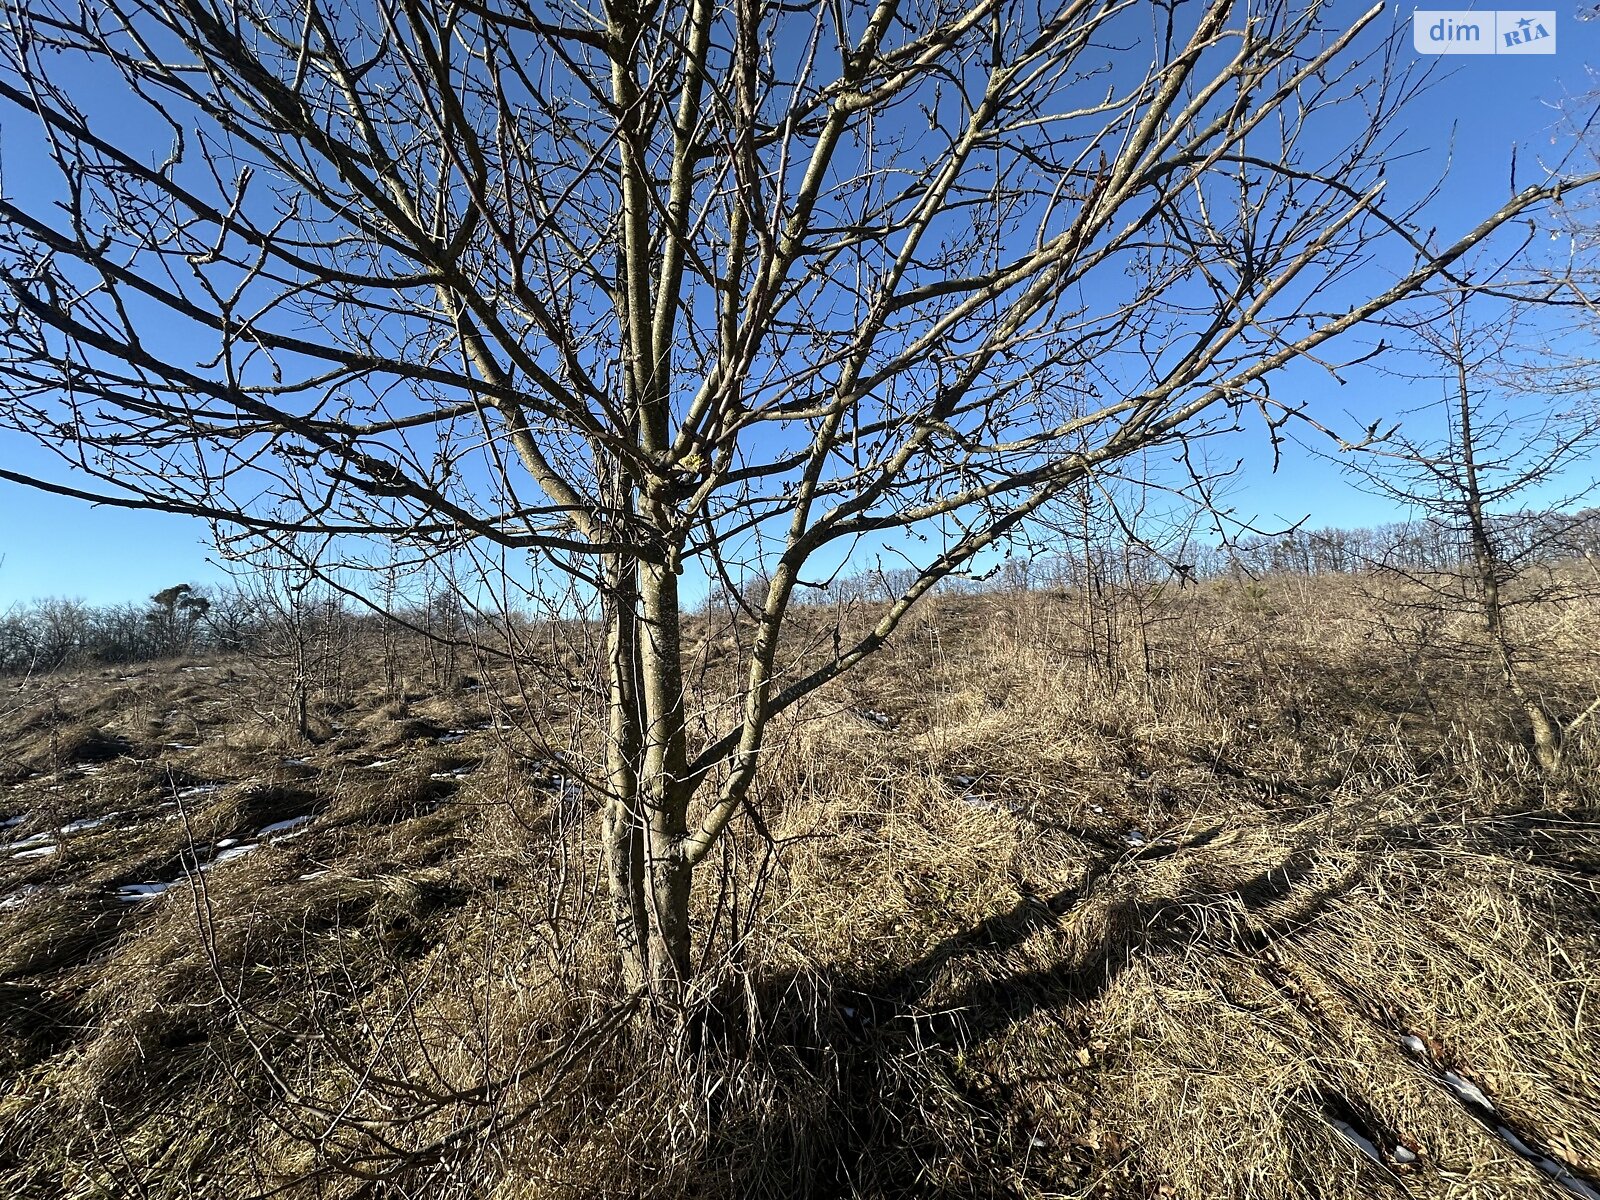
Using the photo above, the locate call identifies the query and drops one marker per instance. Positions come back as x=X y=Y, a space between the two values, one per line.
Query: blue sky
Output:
x=1476 y=110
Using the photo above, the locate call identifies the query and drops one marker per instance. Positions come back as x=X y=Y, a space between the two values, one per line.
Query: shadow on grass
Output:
x=886 y=1051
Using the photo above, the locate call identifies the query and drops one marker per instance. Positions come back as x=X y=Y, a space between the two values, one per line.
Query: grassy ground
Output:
x=1266 y=902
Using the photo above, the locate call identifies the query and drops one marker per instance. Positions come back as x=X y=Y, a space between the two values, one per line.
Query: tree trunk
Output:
x=646 y=812
x=665 y=787
x=1545 y=734
x=624 y=824
x=1547 y=737
x=301 y=690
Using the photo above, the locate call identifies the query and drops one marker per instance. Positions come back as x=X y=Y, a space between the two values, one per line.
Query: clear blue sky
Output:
x=1477 y=109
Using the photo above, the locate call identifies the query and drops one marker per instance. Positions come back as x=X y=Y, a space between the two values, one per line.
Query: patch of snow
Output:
x=283 y=826
x=86 y=824
x=451 y=738
x=181 y=746
x=1415 y=1044
x=1356 y=1138
x=35 y=839
x=313 y=874
x=1404 y=1154
x=91 y=768
x=877 y=718
x=964 y=781
x=1516 y=1143
x=1467 y=1091
x=199 y=789
x=1096 y=808
x=37 y=852
x=133 y=892
x=297 y=762
x=458 y=773
x=380 y=764
x=18 y=898
x=1556 y=1170
x=233 y=852
x=1134 y=838
x=11 y=822
x=1567 y=1179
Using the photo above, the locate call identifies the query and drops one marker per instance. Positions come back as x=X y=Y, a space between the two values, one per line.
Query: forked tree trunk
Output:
x=647 y=873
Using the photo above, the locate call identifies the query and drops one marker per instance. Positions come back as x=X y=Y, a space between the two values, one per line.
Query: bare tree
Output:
x=174 y=616
x=1496 y=468
x=644 y=290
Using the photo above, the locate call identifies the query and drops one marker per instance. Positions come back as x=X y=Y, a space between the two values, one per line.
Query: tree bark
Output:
x=665 y=785
x=623 y=830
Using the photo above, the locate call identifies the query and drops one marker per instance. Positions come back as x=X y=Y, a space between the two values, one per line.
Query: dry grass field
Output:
x=1265 y=900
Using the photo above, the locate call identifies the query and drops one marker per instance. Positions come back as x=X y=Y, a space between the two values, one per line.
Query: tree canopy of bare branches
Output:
x=660 y=290
x=1518 y=425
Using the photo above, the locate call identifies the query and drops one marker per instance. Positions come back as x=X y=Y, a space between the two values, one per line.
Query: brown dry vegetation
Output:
x=1013 y=921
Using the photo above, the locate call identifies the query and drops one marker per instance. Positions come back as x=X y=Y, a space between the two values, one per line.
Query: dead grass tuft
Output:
x=70 y=743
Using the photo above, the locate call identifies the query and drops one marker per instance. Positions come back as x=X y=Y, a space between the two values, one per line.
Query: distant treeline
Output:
x=183 y=620
x=1118 y=557
x=1419 y=546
